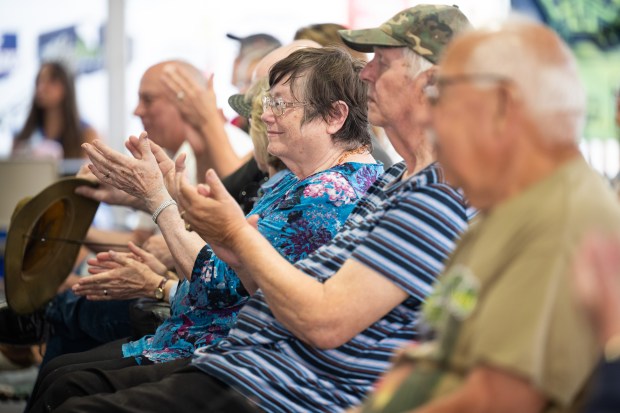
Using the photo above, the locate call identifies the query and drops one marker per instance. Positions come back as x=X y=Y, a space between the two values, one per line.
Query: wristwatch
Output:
x=159 y=291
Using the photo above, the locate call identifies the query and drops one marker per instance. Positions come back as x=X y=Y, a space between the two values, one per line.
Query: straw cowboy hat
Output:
x=43 y=242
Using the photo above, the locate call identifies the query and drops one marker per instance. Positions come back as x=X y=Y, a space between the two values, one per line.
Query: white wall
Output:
x=30 y=18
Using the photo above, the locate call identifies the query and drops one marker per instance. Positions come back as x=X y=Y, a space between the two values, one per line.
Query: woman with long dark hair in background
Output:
x=53 y=126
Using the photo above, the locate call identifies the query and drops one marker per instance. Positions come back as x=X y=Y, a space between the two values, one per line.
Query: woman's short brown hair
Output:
x=325 y=76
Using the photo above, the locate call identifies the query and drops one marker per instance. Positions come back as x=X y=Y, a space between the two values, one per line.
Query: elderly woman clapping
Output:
x=122 y=275
x=315 y=113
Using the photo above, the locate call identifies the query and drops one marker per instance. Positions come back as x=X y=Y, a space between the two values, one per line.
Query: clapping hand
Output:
x=139 y=176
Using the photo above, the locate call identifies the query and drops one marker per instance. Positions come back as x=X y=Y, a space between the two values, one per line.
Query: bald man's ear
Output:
x=508 y=109
x=509 y=99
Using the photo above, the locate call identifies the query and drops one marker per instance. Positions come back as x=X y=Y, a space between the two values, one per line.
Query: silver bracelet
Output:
x=161 y=207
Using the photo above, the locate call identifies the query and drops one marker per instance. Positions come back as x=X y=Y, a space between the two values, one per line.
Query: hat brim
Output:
x=365 y=40
x=234 y=37
x=240 y=105
x=35 y=267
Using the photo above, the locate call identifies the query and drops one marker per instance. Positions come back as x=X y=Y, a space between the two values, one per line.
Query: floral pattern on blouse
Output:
x=297 y=217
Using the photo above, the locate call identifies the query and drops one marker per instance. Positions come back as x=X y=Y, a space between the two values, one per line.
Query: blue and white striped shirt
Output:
x=403 y=230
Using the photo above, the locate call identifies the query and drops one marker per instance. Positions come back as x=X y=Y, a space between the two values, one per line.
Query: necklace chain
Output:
x=347 y=154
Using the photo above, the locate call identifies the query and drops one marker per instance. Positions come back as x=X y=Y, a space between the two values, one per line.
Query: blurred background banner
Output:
x=195 y=30
x=66 y=45
x=8 y=53
x=592 y=29
x=596 y=21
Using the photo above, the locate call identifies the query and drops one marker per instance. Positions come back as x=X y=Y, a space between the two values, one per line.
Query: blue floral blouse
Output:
x=297 y=217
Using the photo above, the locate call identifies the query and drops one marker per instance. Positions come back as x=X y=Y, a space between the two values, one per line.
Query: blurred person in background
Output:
x=190 y=96
x=53 y=127
x=178 y=110
x=250 y=47
x=326 y=34
x=596 y=284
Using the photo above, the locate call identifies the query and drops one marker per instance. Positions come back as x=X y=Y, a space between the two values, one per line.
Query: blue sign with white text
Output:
x=8 y=53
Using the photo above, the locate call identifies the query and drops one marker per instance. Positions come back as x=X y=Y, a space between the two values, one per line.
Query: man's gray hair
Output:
x=416 y=63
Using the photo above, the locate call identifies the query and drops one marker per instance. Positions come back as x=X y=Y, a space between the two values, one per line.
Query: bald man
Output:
x=164 y=116
x=508 y=112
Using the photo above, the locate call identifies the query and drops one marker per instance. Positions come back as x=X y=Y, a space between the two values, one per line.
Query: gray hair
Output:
x=547 y=77
x=415 y=63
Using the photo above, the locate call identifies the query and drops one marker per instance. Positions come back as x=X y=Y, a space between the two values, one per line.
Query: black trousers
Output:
x=153 y=388
x=106 y=357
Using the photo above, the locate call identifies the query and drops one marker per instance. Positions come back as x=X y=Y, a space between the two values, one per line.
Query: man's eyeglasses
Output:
x=433 y=92
x=278 y=105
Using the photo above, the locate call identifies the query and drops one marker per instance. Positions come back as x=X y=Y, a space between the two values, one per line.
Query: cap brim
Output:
x=364 y=40
x=35 y=269
x=240 y=105
x=232 y=36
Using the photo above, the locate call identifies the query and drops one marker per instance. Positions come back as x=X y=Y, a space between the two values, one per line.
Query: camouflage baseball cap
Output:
x=426 y=29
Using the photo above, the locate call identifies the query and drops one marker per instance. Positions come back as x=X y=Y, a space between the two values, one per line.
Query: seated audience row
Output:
x=301 y=304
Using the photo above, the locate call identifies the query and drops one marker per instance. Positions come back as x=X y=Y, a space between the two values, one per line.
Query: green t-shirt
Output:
x=505 y=298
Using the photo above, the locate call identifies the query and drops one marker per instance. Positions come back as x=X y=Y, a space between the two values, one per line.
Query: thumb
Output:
x=253 y=220
x=180 y=178
x=158 y=152
x=179 y=163
x=133 y=146
x=217 y=188
x=222 y=116
x=145 y=146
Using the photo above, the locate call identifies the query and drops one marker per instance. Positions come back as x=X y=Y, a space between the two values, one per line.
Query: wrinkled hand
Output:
x=139 y=176
x=210 y=210
x=110 y=195
x=596 y=282
x=164 y=162
x=197 y=104
x=130 y=279
x=104 y=192
x=156 y=245
x=104 y=261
